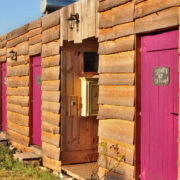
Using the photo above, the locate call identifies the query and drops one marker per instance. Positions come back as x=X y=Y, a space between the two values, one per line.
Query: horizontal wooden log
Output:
x=118 y=45
x=153 y=6
x=35 y=49
x=51 y=34
x=20 y=147
x=35 y=39
x=138 y=1
x=50 y=49
x=125 y=150
x=116 y=112
x=116 y=32
x=18 y=118
x=20 y=91
x=117 y=63
x=116 y=95
x=52 y=164
x=21 y=60
x=117 y=79
x=112 y=17
x=2 y=58
x=51 y=73
x=18 y=128
x=108 y=4
x=162 y=19
x=14 y=136
x=103 y=172
x=35 y=32
x=51 y=151
x=52 y=96
x=51 y=61
x=35 y=24
x=18 y=109
x=51 y=85
x=51 y=118
x=51 y=20
x=19 y=100
x=3 y=37
x=22 y=48
x=18 y=40
x=18 y=32
x=50 y=128
x=116 y=166
x=17 y=81
x=119 y=130
x=53 y=139
x=3 y=51
x=21 y=70
x=53 y=107
x=3 y=44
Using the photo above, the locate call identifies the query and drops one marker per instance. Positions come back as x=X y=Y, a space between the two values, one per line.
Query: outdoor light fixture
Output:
x=13 y=55
x=74 y=17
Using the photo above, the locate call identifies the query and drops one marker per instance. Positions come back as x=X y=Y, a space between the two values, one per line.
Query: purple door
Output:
x=36 y=100
x=3 y=82
x=159 y=101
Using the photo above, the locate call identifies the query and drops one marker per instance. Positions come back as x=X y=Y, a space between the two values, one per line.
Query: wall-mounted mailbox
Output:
x=89 y=96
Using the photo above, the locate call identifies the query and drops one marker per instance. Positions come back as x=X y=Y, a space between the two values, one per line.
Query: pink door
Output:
x=3 y=82
x=159 y=101
x=36 y=100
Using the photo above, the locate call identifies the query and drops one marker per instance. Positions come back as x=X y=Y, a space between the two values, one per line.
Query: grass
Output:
x=16 y=170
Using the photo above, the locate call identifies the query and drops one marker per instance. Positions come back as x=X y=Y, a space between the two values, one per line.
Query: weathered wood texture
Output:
x=50 y=117
x=35 y=39
x=50 y=61
x=21 y=60
x=52 y=164
x=35 y=49
x=50 y=49
x=51 y=73
x=17 y=81
x=35 y=24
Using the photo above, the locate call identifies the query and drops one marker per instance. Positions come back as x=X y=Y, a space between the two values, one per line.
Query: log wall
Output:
x=120 y=22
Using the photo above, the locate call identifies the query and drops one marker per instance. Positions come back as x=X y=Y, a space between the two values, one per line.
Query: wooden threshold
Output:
x=80 y=171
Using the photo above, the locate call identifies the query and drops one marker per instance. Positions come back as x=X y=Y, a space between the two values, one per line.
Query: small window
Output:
x=91 y=60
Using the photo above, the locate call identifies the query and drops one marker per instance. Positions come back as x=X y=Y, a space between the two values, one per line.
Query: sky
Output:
x=16 y=13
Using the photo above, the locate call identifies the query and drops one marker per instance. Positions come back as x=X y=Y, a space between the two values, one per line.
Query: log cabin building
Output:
x=49 y=73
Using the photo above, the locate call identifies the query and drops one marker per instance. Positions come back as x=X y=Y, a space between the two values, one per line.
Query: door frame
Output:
x=137 y=128
x=83 y=47
x=31 y=98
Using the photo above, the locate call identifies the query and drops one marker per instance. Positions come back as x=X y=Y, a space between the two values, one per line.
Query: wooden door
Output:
x=36 y=100
x=3 y=91
x=159 y=100
x=79 y=134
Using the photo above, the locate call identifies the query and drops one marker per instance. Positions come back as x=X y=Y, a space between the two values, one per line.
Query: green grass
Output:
x=15 y=170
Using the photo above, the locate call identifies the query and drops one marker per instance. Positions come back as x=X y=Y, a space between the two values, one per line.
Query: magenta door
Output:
x=3 y=82
x=36 y=100
x=159 y=100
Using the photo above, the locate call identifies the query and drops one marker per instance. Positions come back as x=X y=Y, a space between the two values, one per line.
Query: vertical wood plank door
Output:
x=36 y=100
x=159 y=101
x=79 y=134
x=3 y=91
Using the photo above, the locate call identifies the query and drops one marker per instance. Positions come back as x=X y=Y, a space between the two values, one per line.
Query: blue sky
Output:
x=15 y=13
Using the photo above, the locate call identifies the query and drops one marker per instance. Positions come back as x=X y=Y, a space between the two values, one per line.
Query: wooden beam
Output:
x=51 y=20
x=35 y=39
x=18 y=109
x=118 y=130
x=53 y=139
x=17 y=81
x=153 y=6
x=116 y=32
x=112 y=17
x=116 y=95
x=117 y=63
x=109 y=4
x=53 y=107
x=35 y=32
x=52 y=118
x=35 y=24
x=50 y=128
x=18 y=118
x=51 y=61
x=3 y=44
x=118 y=45
x=52 y=164
x=51 y=151
x=20 y=91
x=35 y=49
x=162 y=19
x=20 y=147
x=52 y=96
x=53 y=85
x=21 y=60
x=116 y=112
x=50 y=49
x=19 y=100
x=116 y=79
x=51 y=73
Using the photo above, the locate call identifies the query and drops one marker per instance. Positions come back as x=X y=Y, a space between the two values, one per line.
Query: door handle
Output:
x=176 y=114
